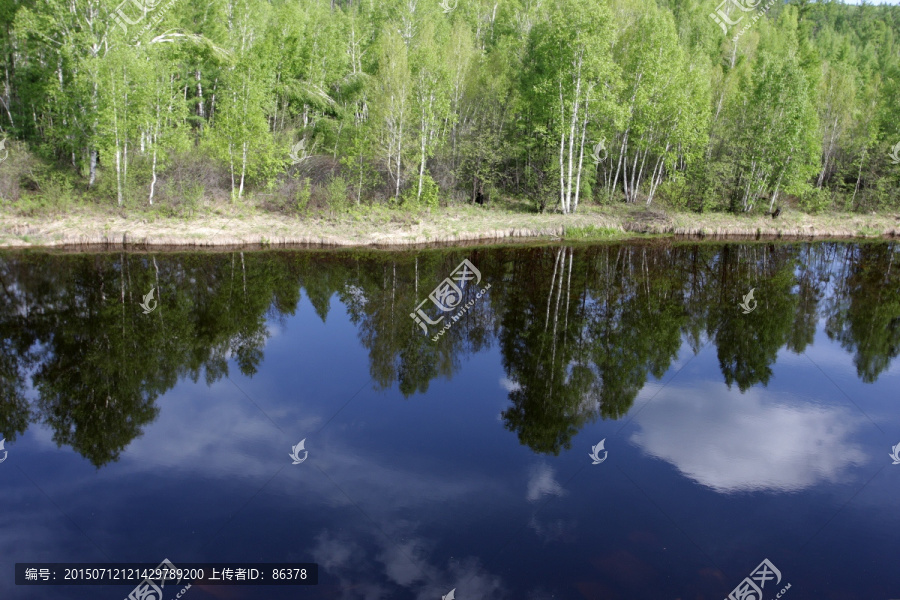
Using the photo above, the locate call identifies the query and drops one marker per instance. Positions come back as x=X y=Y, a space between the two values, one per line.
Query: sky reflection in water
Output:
x=463 y=463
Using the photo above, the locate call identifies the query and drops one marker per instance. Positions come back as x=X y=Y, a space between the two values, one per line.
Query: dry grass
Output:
x=241 y=225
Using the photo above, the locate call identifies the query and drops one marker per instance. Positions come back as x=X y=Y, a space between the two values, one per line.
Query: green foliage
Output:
x=403 y=96
x=304 y=191
x=336 y=193
x=591 y=232
x=185 y=202
x=675 y=192
x=815 y=200
x=430 y=197
x=55 y=195
x=18 y=170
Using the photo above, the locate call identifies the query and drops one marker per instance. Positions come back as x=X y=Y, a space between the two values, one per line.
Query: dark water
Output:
x=461 y=463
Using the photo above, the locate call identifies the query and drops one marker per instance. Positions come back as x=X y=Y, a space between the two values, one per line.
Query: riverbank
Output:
x=246 y=226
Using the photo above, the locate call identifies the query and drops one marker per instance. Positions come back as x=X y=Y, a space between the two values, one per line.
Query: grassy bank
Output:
x=244 y=225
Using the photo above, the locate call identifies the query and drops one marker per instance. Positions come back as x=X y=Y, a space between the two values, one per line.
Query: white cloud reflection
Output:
x=509 y=385
x=542 y=482
x=406 y=565
x=734 y=442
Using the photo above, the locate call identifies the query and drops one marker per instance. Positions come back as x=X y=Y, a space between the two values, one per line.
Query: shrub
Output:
x=815 y=200
x=336 y=193
x=430 y=197
x=18 y=168
x=302 y=195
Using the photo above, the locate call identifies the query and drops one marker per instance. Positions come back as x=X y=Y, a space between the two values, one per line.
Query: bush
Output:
x=674 y=192
x=815 y=200
x=336 y=193
x=430 y=197
x=188 y=172
x=57 y=189
x=18 y=170
x=302 y=195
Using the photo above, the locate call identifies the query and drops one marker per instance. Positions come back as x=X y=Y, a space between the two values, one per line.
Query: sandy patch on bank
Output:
x=386 y=228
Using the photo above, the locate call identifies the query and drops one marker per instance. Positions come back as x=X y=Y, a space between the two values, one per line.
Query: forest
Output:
x=291 y=105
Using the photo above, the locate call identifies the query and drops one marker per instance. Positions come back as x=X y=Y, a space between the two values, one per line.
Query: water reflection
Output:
x=581 y=330
x=751 y=443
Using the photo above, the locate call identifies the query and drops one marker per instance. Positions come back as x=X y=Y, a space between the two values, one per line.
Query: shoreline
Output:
x=461 y=225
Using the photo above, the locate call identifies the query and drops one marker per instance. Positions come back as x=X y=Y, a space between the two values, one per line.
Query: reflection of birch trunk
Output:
x=231 y=289
x=393 y=293
x=646 y=273
x=568 y=290
x=122 y=287
x=244 y=273
x=565 y=252
x=158 y=290
x=550 y=297
x=562 y=273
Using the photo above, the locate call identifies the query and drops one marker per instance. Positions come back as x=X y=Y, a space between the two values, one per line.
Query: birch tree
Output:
x=573 y=79
x=431 y=91
x=391 y=103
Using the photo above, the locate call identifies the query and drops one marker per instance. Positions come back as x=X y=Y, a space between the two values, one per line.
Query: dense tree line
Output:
x=414 y=101
x=580 y=330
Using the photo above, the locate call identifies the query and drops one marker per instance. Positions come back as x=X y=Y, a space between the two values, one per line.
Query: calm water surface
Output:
x=730 y=437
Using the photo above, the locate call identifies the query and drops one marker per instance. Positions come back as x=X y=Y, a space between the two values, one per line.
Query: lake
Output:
x=651 y=420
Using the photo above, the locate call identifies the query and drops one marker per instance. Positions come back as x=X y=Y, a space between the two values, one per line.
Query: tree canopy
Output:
x=415 y=102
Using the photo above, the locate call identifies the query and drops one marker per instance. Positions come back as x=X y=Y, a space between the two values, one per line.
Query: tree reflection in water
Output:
x=580 y=329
